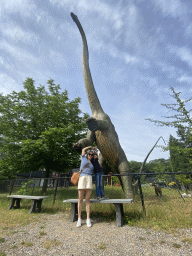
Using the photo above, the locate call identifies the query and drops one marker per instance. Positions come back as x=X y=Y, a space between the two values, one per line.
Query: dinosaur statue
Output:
x=101 y=130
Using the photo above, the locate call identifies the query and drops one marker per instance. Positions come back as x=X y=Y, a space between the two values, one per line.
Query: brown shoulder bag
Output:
x=76 y=175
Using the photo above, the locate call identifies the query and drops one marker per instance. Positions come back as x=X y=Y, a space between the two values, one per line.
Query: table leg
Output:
x=39 y=202
x=119 y=214
x=33 y=206
x=12 y=203
x=74 y=212
x=18 y=200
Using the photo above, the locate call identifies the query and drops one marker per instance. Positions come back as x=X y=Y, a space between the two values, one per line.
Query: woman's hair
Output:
x=90 y=151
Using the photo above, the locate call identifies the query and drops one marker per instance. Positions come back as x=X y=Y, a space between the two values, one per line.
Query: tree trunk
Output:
x=44 y=188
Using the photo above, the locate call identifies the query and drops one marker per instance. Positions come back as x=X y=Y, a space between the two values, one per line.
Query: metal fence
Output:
x=146 y=186
x=161 y=200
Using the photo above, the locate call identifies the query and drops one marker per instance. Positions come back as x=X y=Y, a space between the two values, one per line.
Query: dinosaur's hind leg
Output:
x=123 y=168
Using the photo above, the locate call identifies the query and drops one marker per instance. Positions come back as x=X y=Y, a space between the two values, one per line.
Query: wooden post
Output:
x=33 y=188
x=12 y=185
x=55 y=191
x=141 y=194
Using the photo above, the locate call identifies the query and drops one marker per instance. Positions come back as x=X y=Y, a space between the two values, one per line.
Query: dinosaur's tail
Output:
x=91 y=93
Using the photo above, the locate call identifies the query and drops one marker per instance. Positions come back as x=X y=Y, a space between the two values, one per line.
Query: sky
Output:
x=137 y=49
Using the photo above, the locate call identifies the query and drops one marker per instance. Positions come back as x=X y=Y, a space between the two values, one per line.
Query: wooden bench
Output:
x=36 y=202
x=117 y=202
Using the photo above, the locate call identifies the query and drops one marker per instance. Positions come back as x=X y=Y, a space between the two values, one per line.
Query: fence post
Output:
x=33 y=188
x=12 y=185
x=180 y=192
x=55 y=193
x=141 y=194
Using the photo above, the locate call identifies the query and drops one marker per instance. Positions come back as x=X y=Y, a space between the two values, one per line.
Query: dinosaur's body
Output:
x=101 y=130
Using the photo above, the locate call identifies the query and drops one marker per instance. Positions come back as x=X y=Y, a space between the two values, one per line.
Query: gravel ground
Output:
x=104 y=238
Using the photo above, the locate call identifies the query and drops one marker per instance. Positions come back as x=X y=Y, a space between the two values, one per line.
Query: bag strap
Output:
x=84 y=168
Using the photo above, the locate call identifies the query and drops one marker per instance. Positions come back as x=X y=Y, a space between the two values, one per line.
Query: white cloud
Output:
x=185 y=55
x=130 y=59
x=16 y=33
x=186 y=79
x=18 y=54
x=188 y=30
x=57 y=59
x=84 y=7
x=174 y=8
x=7 y=84
x=25 y=7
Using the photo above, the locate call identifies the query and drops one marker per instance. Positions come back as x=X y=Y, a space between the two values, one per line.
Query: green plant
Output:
x=25 y=187
x=189 y=240
x=42 y=233
x=102 y=246
x=48 y=243
x=177 y=245
x=115 y=180
x=14 y=247
x=3 y=254
x=27 y=244
x=2 y=239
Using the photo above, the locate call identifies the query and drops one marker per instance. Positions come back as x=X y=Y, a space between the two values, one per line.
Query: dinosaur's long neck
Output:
x=91 y=93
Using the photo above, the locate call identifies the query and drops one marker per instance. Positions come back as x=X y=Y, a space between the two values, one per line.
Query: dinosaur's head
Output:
x=74 y=17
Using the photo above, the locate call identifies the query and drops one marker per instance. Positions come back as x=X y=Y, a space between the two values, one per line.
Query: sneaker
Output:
x=104 y=198
x=97 y=198
x=89 y=223
x=79 y=223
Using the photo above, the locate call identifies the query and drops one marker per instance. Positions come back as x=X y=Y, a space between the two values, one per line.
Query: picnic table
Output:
x=36 y=202
x=117 y=202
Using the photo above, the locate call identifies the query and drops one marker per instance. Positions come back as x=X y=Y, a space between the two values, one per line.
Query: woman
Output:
x=85 y=184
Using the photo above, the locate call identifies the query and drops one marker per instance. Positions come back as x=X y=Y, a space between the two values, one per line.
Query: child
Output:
x=98 y=177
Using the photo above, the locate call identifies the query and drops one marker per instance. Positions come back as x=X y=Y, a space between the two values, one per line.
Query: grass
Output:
x=168 y=212
x=2 y=240
x=188 y=240
x=10 y=219
x=27 y=244
x=177 y=245
x=3 y=254
x=42 y=233
x=47 y=244
x=14 y=247
x=102 y=246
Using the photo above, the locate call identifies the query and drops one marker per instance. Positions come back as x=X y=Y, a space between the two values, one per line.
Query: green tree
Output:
x=179 y=155
x=180 y=120
x=134 y=166
x=38 y=128
x=181 y=148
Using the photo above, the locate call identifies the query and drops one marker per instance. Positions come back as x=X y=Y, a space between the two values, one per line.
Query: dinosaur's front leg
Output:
x=97 y=124
x=85 y=142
